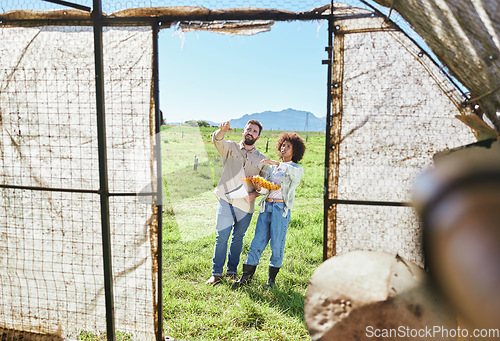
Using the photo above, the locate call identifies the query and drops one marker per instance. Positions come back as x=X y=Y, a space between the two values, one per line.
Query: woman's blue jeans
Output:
x=271 y=226
x=229 y=219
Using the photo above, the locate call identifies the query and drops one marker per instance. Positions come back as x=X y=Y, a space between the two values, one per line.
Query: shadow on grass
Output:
x=188 y=182
x=285 y=299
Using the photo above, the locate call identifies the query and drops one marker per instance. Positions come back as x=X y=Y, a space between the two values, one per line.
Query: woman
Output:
x=275 y=208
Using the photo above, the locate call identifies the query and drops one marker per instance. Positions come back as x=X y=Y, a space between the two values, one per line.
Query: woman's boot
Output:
x=248 y=271
x=272 y=276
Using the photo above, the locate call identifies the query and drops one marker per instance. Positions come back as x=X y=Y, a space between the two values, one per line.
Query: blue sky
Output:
x=210 y=76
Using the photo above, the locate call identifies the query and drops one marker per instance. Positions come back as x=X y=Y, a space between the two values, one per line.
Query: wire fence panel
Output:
x=51 y=269
x=398 y=110
x=382 y=228
x=51 y=264
x=133 y=246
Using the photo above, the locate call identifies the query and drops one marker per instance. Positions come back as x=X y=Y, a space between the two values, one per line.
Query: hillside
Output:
x=287 y=119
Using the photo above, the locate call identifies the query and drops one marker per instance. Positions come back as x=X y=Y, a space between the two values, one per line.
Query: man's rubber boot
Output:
x=248 y=271
x=271 y=280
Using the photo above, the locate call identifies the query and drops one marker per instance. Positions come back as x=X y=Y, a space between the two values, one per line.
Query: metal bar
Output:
x=390 y=11
x=492 y=91
x=76 y=190
x=34 y=188
x=70 y=4
x=373 y=8
x=370 y=203
x=164 y=20
x=111 y=21
x=132 y=194
x=103 y=170
x=326 y=192
x=159 y=181
x=367 y=30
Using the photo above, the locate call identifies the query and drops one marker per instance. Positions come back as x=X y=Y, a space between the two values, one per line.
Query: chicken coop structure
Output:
x=81 y=203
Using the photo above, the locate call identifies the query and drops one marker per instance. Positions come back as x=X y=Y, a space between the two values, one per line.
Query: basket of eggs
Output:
x=257 y=182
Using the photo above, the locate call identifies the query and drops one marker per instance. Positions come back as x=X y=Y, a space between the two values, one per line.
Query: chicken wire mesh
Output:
x=397 y=111
x=52 y=276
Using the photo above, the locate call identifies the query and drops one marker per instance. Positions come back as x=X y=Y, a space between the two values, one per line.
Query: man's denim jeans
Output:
x=229 y=218
x=271 y=225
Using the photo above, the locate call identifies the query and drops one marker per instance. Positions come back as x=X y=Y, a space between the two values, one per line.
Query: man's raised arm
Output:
x=223 y=129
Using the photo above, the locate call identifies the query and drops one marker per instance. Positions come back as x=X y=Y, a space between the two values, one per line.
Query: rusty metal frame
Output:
x=158 y=255
x=326 y=194
x=333 y=134
x=334 y=139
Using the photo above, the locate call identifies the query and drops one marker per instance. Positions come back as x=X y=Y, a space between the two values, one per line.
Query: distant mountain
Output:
x=212 y=123
x=287 y=119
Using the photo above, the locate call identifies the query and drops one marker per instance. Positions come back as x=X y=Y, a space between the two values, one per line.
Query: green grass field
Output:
x=196 y=311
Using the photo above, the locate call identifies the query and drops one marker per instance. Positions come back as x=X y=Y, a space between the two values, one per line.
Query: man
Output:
x=236 y=198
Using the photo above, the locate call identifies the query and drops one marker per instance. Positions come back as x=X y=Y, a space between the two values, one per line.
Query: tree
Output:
x=191 y=123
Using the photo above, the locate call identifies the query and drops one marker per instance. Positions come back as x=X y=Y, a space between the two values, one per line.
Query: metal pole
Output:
x=70 y=4
x=103 y=170
x=326 y=193
x=159 y=206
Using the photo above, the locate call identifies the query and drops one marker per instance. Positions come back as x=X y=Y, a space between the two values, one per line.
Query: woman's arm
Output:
x=270 y=162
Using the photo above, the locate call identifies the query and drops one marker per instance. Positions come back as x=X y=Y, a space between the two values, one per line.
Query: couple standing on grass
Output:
x=236 y=201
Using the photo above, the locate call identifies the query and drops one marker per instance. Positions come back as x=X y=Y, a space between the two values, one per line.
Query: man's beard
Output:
x=249 y=140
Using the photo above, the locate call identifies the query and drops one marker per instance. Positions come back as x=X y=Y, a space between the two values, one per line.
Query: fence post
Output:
x=103 y=170
x=159 y=176
x=327 y=210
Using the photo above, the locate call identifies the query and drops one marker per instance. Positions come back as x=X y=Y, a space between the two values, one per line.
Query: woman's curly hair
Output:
x=298 y=145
